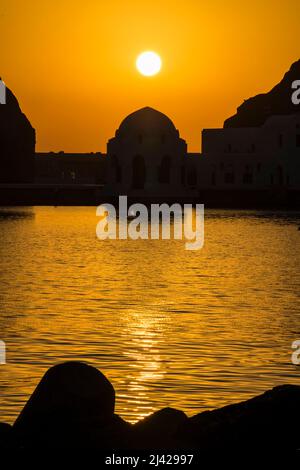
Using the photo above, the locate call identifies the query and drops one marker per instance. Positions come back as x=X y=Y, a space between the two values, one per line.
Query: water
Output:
x=169 y=327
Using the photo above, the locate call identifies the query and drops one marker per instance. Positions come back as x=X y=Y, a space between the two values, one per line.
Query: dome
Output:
x=147 y=120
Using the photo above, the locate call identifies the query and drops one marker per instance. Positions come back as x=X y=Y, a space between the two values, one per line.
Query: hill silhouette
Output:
x=256 y=110
x=17 y=143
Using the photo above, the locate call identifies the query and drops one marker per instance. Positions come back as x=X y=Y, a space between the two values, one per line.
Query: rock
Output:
x=158 y=430
x=17 y=143
x=5 y=436
x=69 y=404
x=73 y=407
x=255 y=111
x=268 y=421
x=114 y=435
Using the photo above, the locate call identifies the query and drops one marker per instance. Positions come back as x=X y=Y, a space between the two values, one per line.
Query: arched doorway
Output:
x=116 y=169
x=164 y=170
x=192 y=177
x=138 y=172
x=280 y=175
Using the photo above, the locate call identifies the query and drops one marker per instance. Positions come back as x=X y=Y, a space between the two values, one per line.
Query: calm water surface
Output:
x=169 y=327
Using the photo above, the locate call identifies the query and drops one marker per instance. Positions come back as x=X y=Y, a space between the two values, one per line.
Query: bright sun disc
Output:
x=148 y=63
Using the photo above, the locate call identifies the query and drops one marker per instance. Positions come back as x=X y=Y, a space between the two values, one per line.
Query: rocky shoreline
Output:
x=73 y=407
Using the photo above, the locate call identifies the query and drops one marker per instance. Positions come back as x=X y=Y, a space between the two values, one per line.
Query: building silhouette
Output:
x=70 y=168
x=259 y=147
x=146 y=157
x=254 y=158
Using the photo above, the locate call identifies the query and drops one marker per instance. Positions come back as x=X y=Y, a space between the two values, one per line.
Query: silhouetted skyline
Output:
x=72 y=66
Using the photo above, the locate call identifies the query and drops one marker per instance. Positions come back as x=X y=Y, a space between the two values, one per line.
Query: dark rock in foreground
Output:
x=71 y=404
x=6 y=436
x=73 y=407
x=158 y=430
x=267 y=422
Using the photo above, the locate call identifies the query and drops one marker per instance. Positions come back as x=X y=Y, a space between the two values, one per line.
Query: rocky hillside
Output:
x=255 y=111
x=17 y=143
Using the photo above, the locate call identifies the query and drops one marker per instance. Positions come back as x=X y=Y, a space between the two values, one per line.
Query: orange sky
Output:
x=71 y=64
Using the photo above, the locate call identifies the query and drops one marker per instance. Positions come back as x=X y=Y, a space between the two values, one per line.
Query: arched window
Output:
x=164 y=170
x=138 y=172
x=248 y=178
x=119 y=174
x=192 y=177
x=183 y=175
x=116 y=168
x=248 y=175
x=229 y=177
x=280 y=176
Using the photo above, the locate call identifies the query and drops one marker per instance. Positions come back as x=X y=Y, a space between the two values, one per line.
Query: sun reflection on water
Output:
x=169 y=327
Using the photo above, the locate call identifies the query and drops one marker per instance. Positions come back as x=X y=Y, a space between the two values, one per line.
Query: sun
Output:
x=148 y=63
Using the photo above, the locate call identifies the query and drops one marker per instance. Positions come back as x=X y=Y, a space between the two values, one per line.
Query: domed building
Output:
x=146 y=157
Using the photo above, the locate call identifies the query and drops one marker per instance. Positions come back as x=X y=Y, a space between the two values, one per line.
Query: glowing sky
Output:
x=72 y=63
